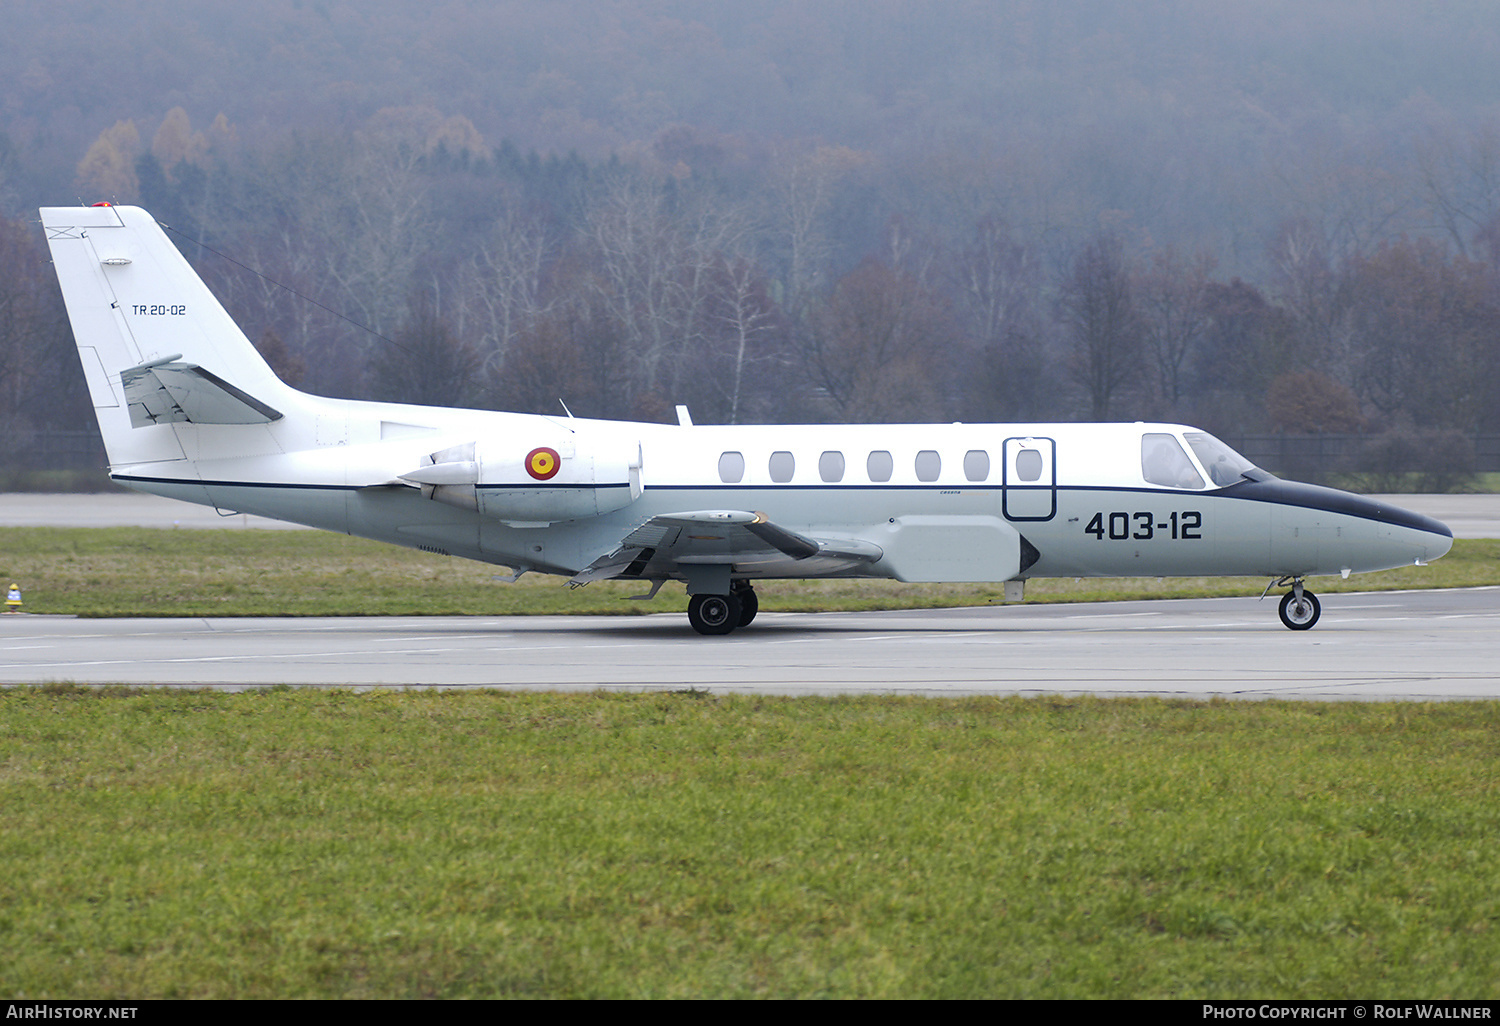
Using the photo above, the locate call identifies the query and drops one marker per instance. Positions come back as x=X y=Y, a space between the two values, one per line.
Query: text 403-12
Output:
x=1144 y=526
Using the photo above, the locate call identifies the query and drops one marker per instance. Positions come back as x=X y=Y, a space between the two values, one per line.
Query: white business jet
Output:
x=189 y=410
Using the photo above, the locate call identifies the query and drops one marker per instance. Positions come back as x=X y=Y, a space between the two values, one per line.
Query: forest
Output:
x=1281 y=218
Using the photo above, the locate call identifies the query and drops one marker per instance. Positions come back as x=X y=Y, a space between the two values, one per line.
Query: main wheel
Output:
x=714 y=614
x=1300 y=615
x=749 y=604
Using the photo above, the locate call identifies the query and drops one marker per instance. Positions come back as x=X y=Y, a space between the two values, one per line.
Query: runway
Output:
x=1414 y=645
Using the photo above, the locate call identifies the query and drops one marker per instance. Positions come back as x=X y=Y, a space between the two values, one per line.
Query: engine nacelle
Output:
x=546 y=478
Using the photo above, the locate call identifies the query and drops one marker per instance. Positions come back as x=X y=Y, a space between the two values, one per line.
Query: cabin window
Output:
x=782 y=466
x=732 y=467
x=1164 y=463
x=976 y=465
x=831 y=466
x=1029 y=465
x=929 y=465
x=880 y=465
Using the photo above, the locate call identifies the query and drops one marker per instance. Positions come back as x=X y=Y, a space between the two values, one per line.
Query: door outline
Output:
x=1029 y=501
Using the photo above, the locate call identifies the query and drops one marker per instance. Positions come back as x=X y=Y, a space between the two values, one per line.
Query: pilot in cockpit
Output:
x=1164 y=463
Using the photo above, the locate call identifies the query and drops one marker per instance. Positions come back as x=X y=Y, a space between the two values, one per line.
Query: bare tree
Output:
x=425 y=362
x=1249 y=342
x=745 y=309
x=1313 y=290
x=997 y=283
x=332 y=236
x=1098 y=313
x=656 y=257
x=39 y=380
x=873 y=348
x=1171 y=300
x=382 y=224
x=503 y=285
x=1425 y=325
x=803 y=187
x=1461 y=180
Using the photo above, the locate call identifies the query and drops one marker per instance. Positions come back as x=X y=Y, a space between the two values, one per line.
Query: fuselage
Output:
x=1077 y=493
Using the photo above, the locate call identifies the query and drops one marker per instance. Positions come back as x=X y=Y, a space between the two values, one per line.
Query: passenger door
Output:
x=1030 y=479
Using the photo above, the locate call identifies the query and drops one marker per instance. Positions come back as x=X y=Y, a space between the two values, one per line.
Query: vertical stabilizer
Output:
x=157 y=349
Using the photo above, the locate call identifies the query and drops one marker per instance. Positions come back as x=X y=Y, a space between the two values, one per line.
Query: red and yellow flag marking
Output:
x=543 y=463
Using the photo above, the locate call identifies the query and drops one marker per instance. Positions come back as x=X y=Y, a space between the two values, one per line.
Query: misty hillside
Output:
x=1170 y=101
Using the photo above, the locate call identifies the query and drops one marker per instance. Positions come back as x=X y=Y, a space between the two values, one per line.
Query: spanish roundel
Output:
x=543 y=463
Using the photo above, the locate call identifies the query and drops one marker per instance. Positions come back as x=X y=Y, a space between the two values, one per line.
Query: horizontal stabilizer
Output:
x=169 y=391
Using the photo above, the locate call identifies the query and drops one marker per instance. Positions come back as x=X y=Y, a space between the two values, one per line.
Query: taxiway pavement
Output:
x=1411 y=645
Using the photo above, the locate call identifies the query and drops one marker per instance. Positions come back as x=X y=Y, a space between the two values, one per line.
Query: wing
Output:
x=746 y=543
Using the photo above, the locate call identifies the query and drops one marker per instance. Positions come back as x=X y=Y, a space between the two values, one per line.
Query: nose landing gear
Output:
x=1300 y=608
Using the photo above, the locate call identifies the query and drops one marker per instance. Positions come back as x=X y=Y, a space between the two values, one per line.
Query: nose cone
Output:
x=1426 y=538
x=1401 y=536
x=1441 y=544
x=1324 y=530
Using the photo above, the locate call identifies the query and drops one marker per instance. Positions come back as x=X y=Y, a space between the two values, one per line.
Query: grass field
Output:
x=330 y=844
x=141 y=572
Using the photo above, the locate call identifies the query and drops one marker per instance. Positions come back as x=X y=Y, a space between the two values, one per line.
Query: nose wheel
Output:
x=1299 y=608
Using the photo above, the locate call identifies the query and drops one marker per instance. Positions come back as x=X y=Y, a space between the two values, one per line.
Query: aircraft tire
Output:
x=714 y=614
x=749 y=604
x=1300 y=618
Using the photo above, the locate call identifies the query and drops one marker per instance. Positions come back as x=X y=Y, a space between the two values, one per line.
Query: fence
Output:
x=1310 y=456
x=54 y=450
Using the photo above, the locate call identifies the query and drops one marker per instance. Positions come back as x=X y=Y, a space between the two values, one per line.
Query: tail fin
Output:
x=157 y=348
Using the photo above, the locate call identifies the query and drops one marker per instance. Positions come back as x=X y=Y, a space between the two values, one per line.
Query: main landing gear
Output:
x=1299 y=608
x=720 y=614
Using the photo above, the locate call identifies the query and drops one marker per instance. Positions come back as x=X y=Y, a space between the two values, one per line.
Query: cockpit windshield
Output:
x=1224 y=465
x=1164 y=461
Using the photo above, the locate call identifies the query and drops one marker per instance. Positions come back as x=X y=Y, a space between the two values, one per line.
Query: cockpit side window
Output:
x=1224 y=465
x=1164 y=463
